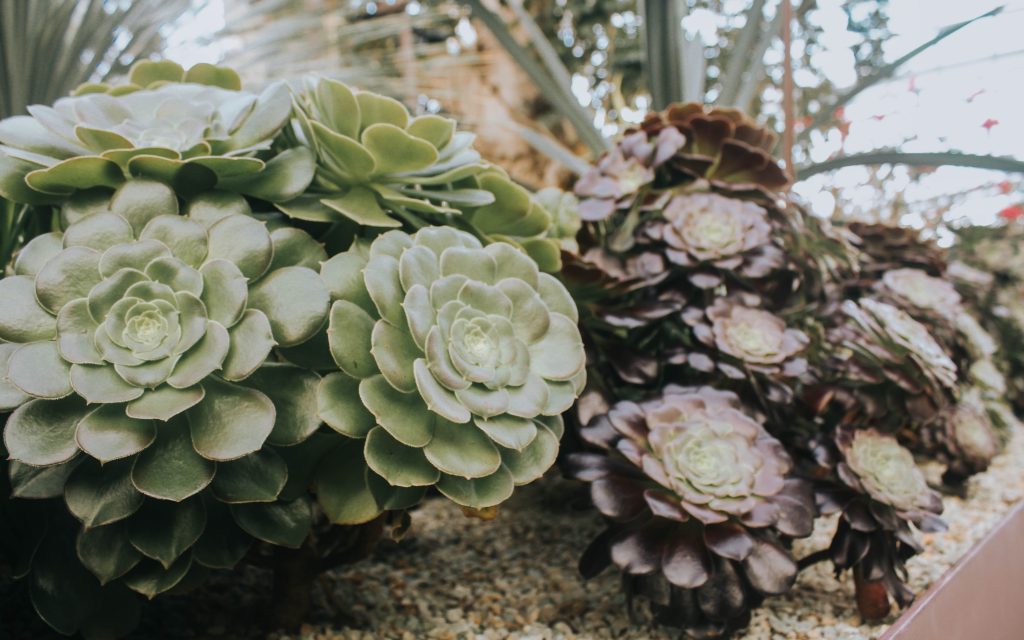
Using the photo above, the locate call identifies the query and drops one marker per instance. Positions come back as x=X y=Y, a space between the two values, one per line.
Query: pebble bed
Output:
x=459 y=578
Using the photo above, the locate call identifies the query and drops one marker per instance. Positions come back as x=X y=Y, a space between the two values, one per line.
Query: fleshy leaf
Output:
x=38 y=370
x=295 y=248
x=255 y=478
x=102 y=494
x=41 y=482
x=150 y=579
x=231 y=421
x=164 y=531
x=349 y=335
x=243 y=241
x=170 y=469
x=439 y=400
x=282 y=523
x=400 y=465
x=68 y=275
x=295 y=300
x=395 y=352
x=293 y=392
x=478 y=493
x=339 y=405
x=531 y=463
x=509 y=431
x=223 y=544
x=101 y=384
x=462 y=450
x=108 y=434
x=558 y=355
x=185 y=238
x=403 y=415
x=342 y=487
x=251 y=341
x=42 y=432
x=164 y=402
x=22 y=319
x=106 y=552
x=225 y=292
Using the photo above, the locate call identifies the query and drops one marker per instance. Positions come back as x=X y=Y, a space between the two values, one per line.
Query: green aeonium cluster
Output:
x=137 y=358
x=456 y=361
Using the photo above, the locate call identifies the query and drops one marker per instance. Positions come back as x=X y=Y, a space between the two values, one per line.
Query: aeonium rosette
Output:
x=879 y=491
x=194 y=130
x=741 y=339
x=920 y=294
x=883 y=335
x=697 y=494
x=886 y=471
x=135 y=354
x=709 y=232
x=456 y=362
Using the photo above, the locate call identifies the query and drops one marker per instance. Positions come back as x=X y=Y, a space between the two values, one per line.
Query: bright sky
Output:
x=974 y=76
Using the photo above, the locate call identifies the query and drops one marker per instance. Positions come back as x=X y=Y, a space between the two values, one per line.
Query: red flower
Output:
x=1012 y=212
x=1005 y=187
x=989 y=123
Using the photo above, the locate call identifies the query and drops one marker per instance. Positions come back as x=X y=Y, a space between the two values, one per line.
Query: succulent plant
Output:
x=879 y=491
x=748 y=339
x=876 y=464
x=965 y=437
x=193 y=130
x=723 y=146
x=697 y=495
x=885 y=247
x=885 y=359
x=563 y=207
x=713 y=233
x=617 y=178
x=455 y=363
x=668 y=228
x=921 y=295
x=137 y=359
x=377 y=166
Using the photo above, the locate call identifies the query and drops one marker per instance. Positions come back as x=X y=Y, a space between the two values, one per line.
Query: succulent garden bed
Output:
x=296 y=330
x=515 y=577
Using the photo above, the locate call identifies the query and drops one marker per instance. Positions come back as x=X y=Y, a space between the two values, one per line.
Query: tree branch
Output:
x=951 y=158
x=827 y=112
x=561 y=97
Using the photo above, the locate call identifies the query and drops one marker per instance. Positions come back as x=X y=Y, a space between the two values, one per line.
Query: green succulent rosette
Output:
x=193 y=130
x=378 y=166
x=456 y=361
x=136 y=357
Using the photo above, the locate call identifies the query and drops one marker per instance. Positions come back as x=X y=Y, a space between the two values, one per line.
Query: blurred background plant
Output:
x=547 y=84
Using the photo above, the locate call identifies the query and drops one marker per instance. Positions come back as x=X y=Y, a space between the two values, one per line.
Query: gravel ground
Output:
x=458 y=578
x=515 y=577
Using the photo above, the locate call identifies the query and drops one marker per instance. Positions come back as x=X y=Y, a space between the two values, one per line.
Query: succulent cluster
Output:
x=699 y=498
x=690 y=263
x=854 y=346
x=194 y=380
x=137 y=359
x=264 y=327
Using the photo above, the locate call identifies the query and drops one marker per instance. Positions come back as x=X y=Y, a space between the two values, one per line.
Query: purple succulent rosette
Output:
x=879 y=491
x=698 y=497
